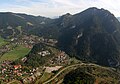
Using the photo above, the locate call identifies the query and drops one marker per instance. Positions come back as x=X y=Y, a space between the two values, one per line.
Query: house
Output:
x=24 y=59
x=19 y=74
x=17 y=66
x=44 y=53
x=3 y=70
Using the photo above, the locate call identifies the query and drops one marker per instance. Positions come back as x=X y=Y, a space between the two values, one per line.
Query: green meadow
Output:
x=16 y=53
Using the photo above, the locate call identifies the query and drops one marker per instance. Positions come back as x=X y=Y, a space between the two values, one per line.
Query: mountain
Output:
x=118 y=18
x=12 y=24
x=92 y=35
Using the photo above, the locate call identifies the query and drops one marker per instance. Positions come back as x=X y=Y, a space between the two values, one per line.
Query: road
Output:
x=90 y=64
x=46 y=82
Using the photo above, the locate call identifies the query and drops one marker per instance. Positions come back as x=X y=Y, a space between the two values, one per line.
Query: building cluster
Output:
x=60 y=58
x=10 y=72
x=32 y=78
x=44 y=53
x=30 y=40
x=4 y=49
x=24 y=74
x=27 y=41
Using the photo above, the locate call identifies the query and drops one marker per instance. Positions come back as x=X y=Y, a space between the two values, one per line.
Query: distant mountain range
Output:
x=92 y=35
x=11 y=24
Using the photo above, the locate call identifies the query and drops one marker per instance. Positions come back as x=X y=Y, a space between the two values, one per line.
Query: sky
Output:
x=53 y=8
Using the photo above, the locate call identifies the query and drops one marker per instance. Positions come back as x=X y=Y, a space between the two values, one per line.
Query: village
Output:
x=25 y=74
x=60 y=58
x=10 y=72
x=30 y=40
x=27 y=41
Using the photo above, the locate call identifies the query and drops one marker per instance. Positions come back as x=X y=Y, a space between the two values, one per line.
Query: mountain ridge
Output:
x=93 y=30
x=83 y=35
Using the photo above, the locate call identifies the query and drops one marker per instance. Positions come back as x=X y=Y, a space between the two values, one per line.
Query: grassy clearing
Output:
x=15 y=82
x=44 y=77
x=16 y=53
x=19 y=29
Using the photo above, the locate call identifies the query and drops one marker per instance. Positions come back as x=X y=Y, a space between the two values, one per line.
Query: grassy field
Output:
x=2 y=42
x=16 y=53
x=44 y=77
x=19 y=29
x=14 y=82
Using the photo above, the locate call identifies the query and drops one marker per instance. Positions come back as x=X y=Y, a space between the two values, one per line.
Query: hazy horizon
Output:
x=53 y=8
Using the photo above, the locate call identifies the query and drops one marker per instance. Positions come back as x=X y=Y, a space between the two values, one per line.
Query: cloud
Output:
x=52 y=8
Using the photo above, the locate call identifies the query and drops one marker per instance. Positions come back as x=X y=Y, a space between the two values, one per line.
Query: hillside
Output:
x=44 y=55
x=92 y=35
x=72 y=49
x=118 y=18
x=13 y=24
x=82 y=73
x=92 y=75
